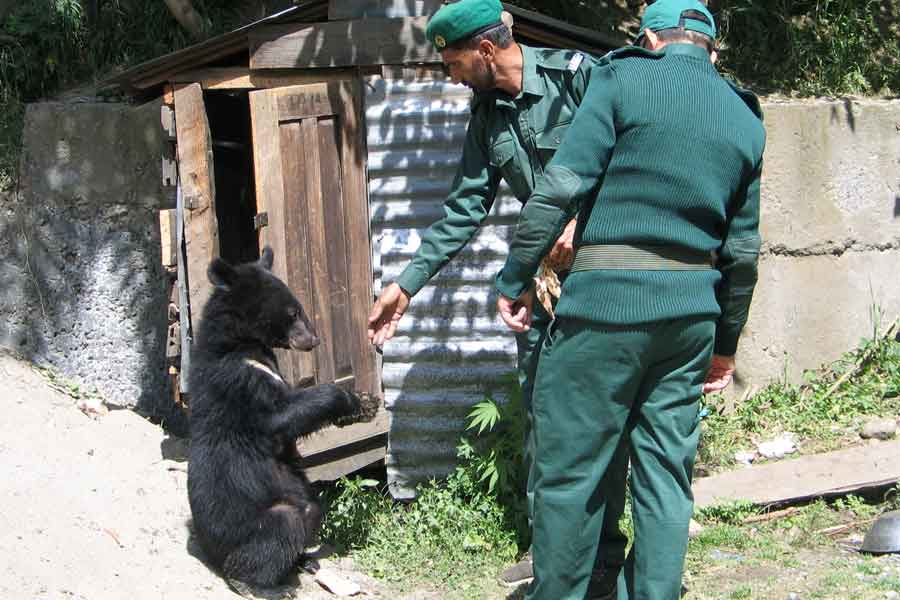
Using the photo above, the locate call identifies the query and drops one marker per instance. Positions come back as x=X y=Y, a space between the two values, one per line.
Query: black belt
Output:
x=636 y=257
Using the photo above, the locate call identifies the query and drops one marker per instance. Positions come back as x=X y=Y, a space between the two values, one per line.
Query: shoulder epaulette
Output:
x=748 y=97
x=626 y=51
x=568 y=60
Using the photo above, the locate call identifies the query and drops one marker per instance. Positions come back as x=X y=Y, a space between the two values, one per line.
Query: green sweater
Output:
x=663 y=152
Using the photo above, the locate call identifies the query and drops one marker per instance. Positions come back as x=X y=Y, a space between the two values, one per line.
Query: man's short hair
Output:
x=500 y=36
x=679 y=34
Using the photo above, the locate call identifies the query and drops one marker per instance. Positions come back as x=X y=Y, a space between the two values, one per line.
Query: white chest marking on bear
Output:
x=258 y=365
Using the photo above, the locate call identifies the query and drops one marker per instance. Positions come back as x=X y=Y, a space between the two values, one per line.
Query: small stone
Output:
x=336 y=584
x=891 y=595
x=778 y=447
x=879 y=429
x=745 y=457
x=793 y=596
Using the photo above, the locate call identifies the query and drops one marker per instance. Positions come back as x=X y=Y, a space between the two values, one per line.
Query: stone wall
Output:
x=82 y=287
x=831 y=235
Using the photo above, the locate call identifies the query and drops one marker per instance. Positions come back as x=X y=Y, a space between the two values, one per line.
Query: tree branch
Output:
x=187 y=17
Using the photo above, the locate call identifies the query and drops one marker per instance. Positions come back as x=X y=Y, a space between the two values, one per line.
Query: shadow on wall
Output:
x=82 y=286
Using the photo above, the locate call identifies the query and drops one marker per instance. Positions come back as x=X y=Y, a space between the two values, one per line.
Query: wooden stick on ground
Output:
x=771 y=516
x=845 y=527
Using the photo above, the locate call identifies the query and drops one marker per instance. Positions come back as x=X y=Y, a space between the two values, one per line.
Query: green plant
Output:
x=731 y=513
x=495 y=453
x=831 y=402
x=350 y=508
x=812 y=47
x=450 y=531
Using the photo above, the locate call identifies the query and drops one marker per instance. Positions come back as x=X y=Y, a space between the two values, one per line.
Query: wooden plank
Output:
x=358 y=238
x=270 y=196
x=346 y=459
x=184 y=320
x=354 y=9
x=293 y=168
x=168 y=249
x=231 y=78
x=362 y=42
x=331 y=437
x=315 y=101
x=335 y=232
x=318 y=252
x=804 y=478
x=195 y=163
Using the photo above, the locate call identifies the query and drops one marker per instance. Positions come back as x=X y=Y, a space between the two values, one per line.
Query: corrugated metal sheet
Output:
x=450 y=347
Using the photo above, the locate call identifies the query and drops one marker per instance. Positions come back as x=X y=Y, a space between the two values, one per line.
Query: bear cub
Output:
x=253 y=508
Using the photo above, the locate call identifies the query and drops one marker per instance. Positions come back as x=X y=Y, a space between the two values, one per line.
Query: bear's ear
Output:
x=267 y=258
x=221 y=274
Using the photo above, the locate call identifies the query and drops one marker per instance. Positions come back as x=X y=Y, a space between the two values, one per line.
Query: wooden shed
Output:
x=270 y=145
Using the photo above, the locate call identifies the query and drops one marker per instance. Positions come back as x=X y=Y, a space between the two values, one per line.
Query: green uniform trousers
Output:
x=595 y=385
x=612 y=540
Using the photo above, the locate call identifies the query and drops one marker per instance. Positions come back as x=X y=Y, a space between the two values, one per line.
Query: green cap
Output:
x=461 y=19
x=687 y=14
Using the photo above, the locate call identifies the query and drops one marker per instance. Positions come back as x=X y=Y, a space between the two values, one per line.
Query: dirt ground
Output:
x=97 y=509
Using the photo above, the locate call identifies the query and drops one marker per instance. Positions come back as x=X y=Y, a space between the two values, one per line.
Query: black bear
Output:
x=253 y=508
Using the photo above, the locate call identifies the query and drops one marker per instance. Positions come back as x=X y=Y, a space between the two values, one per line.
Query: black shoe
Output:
x=519 y=573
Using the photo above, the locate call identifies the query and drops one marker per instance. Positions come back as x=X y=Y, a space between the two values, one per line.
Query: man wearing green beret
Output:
x=524 y=100
x=650 y=315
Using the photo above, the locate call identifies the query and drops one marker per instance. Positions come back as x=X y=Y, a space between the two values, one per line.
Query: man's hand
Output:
x=386 y=313
x=721 y=371
x=561 y=255
x=517 y=313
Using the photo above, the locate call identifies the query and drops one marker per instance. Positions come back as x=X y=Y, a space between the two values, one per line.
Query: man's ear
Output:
x=267 y=258
x=487 y=48
x=713 y=56
x=221 y=274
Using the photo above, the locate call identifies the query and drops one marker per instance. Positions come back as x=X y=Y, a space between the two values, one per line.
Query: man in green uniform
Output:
x=650 y=315
x=524 y=100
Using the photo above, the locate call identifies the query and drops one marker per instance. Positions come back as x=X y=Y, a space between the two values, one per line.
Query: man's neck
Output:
x=510 y=73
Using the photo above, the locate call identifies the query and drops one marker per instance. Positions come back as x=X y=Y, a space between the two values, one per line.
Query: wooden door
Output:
x=309 y=158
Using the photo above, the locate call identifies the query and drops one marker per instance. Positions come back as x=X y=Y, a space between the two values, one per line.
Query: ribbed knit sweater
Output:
x=663 y=152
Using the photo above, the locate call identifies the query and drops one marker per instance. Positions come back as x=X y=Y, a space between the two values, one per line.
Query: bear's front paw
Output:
x=365 y=410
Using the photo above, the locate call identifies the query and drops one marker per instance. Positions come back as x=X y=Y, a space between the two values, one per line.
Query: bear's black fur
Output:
x=253 y=508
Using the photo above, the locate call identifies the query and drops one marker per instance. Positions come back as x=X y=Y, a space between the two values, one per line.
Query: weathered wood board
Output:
x=804 y=478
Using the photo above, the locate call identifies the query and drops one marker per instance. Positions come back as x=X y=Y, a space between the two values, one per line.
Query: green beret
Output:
x=687 y=14
x=462 y=19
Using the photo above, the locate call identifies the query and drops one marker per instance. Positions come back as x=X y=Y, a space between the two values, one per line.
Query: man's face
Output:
x=469 y=67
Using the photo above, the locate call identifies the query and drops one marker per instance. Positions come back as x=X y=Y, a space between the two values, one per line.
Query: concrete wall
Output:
x=831 y=234
x=81 y=282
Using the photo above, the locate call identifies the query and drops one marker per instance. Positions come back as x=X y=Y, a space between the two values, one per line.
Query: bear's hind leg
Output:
x=272 y=550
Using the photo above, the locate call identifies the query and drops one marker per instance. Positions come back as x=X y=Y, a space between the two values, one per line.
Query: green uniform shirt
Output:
x=508 y=138
x=678 y=152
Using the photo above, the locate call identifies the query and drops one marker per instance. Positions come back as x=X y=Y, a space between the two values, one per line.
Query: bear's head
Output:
x=261 y=305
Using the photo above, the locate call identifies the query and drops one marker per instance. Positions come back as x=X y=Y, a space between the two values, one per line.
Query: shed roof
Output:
x=530 y=27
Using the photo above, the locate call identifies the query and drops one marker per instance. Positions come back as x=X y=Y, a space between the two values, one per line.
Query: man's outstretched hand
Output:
x=721 y=372
x=517 y=313
x=386 y=313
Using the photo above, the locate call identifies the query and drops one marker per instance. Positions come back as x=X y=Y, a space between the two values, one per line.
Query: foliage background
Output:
x=793 y=47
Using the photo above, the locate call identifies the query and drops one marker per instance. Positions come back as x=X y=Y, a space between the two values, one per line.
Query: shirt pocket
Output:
x=504 y=155
x=548 y=141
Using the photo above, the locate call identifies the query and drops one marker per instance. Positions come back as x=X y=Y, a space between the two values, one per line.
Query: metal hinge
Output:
x=260 y=220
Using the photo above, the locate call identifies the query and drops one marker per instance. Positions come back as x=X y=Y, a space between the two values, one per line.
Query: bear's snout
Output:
x=302 y=336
